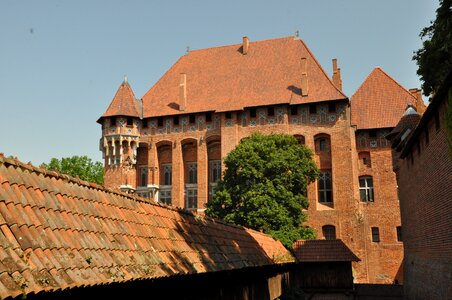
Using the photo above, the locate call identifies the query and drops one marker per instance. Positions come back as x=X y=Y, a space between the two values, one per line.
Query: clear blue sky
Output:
x=61 y=62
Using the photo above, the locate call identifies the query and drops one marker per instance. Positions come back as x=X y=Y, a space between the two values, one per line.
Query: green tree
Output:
x=434 y=59
x=81 y=166
x=264 y=187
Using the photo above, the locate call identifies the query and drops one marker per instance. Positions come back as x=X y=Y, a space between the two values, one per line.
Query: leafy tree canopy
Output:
x=81 y=166
x=264 y=187
x=435 y=57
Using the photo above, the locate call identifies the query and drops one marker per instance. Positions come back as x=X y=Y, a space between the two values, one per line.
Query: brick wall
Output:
x=425 y=186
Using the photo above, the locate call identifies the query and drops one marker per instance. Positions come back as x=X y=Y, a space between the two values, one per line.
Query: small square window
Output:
x=375 y=234
x=312 y=109
x=129 y=121
x=145 y=123
x=372 y=133
x=332 y=107
x=192 y=118
x=209 y=117
x=113 y=121
x=228 y=115
x=271 y=111
x=160 y=121
x=176 y=120
x=252 y=113
x=294 y=110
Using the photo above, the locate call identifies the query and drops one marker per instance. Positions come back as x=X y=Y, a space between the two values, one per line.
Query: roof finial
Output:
x=125 y=79
x=187 y=50
x=297 y=34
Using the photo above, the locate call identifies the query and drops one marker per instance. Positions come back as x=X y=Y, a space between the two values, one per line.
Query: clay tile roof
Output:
x=379 y=101
x=224 y=79
x=59 y=232
x=124 y=103
x=322 y=251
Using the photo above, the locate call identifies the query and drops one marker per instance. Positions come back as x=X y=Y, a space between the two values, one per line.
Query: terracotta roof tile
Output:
x=124 y=103
x=379 y=101
x=223 y=79
x=323 y=251
x=60 y=232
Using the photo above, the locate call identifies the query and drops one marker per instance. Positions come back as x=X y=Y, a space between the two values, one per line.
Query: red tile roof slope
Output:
x=58 y=232
x=379 y=101
x=124 y=103
x=224 y=79
x=323 y=251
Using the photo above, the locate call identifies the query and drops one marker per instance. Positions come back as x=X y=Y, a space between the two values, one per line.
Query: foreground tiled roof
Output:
x=58 y=232
x=323 y=251
x=124 y=103
x=379 y=101
x=224 y=79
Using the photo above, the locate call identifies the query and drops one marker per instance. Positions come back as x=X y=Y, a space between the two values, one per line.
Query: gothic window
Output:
x=366 y=189
x=167 y=174
x=215 y=170
x=329 y=232
x=143 y=176
x=192 y=173
x=325 y=187
x=375 y=234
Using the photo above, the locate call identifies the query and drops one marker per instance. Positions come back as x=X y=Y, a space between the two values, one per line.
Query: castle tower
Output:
x=120 y=139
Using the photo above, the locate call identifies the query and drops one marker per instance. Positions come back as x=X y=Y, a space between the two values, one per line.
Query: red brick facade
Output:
x=425 y=187
x=181 y=154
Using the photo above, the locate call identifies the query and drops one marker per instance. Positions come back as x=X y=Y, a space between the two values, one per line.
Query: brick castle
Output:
x=169 y=145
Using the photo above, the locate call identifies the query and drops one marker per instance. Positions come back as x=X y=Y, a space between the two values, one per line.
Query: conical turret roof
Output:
x=124 y=103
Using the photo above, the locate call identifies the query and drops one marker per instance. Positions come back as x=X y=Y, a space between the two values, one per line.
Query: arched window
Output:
x=300 y=139
x=366 y=189
x=329 y=232
x=322 y=143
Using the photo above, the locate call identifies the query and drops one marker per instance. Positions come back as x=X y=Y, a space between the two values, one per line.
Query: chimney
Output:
x=183 y=91
x=419 y=105
x=304 y=77
x=337 y=75
x=245 y=45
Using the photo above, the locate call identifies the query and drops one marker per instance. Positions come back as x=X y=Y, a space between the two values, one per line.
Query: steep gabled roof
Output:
x=379 y=101
x=124 y=103
x=323 y=251
x=224 y=79
x=59 y=232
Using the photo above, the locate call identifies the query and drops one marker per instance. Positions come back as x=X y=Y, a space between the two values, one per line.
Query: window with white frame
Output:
x=165 y=195
x=192 y=197
x=325 y=187
x=366 y=189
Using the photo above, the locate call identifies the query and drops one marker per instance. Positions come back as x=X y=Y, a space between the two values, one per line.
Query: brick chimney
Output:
x=183 y=92
x=304 y=76
x=245 y=45
x=337 y=75
x=419 y=105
